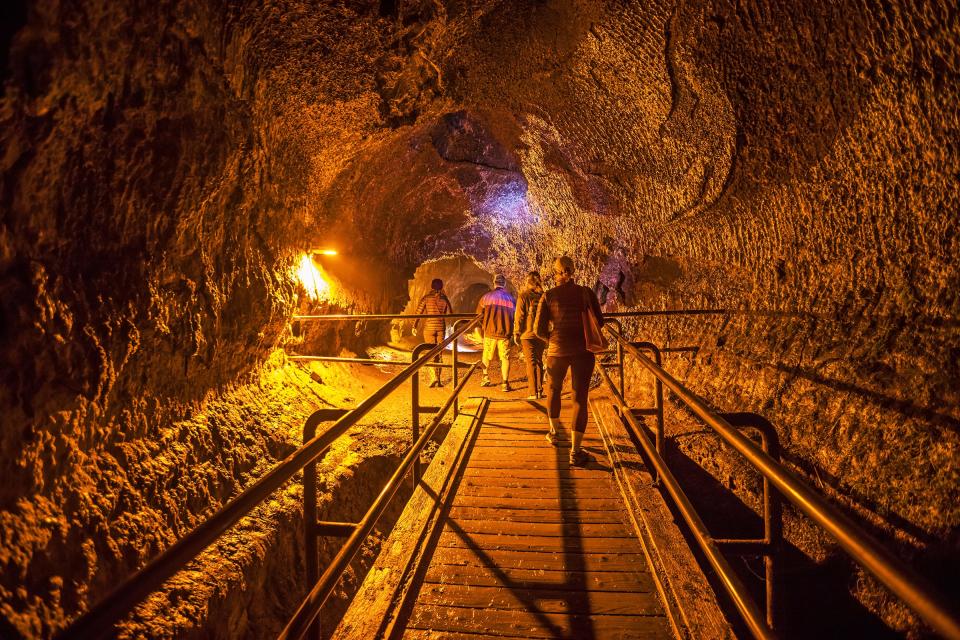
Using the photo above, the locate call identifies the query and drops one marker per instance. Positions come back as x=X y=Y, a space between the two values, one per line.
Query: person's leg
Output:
x=581 y=370
x=558 y=371
x=489 y=344
x=505 y=362
x=435 y=338
x=538 y=347
x=533 y=381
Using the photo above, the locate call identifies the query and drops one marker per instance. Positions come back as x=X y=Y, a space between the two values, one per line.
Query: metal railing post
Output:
x=661 y=438
x=415 y=407
x=310 y=516
x=772 y=503
x=415 y=414
x=619 y=326
x=456 y=370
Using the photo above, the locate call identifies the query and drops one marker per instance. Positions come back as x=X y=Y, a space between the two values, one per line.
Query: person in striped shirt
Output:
x=435 y=302
x=496 y=309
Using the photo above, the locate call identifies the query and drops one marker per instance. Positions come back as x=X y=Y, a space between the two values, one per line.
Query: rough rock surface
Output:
x=164 y=165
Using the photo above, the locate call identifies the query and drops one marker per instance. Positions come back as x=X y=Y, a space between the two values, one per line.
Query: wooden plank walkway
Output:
x=503 y=539
x=532 y=548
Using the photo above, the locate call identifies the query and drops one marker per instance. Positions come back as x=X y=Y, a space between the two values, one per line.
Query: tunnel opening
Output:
x=465 y=281
x=468 y=300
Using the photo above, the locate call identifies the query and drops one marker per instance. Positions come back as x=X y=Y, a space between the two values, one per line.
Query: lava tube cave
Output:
x=222 y=221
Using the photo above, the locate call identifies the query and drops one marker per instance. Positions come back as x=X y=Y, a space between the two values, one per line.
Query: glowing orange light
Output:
x=324 y=252
x=313 y=282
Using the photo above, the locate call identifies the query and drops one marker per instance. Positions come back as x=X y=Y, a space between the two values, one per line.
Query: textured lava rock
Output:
x=164 y=165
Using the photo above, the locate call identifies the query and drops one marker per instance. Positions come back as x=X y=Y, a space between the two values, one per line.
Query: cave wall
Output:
x=792 y=157
x=154 y=198
x=165 y=164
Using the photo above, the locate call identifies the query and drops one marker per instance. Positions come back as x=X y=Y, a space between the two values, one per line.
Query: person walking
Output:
x=496 y=309
x=560 y=321
x=434 y=302
x=525 y=335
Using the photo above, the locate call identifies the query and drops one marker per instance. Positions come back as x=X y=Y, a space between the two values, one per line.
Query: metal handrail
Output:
x=459 y=316
x=309 y=609
x=702 y=312
x=710 y=547
x=376 y=361
x=99 y=621
x=906 y=584
x=383 y=316
x=607 y=314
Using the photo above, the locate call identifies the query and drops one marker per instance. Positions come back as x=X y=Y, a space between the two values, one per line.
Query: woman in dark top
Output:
x=560 y=323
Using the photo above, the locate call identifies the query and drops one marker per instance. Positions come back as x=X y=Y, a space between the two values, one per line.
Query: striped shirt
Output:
x=559 y=319
x=496 y=308
x=433 y=303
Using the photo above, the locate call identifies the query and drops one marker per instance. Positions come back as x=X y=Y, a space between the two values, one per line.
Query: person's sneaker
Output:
x=486 y=383
x=533 y=397
x=505 y=387
x=579 y=459
x=552 y=438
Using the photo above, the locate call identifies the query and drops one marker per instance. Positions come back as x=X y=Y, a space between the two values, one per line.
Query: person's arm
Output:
x=446 y=301
x=519 y=318
x=595 y=305
x=482 y=313
x=420 y=309
x=541 y=325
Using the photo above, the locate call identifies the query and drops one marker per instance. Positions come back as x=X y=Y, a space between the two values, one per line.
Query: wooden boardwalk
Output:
x=503 y=539
x=532 y=548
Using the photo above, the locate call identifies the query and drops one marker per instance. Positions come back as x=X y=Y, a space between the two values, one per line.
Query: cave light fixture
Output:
x=311 y=278
x=323 y=252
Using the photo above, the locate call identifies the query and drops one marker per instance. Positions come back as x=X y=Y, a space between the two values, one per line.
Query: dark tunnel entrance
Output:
x=467 y=301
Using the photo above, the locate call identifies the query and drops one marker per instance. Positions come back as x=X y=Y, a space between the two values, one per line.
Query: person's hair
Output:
x=499 y=280
x=533 y=279
x=437 y=284
x=565 y=264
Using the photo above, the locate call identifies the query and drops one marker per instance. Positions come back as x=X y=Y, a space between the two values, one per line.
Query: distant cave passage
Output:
x=466 y=301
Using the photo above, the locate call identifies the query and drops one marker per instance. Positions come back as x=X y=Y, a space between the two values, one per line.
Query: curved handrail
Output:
x=98 y=622
x=309 y=609
x=861 y=546
x=728 y=577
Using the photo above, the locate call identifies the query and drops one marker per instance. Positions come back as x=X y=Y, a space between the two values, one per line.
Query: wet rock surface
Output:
x=163 y=167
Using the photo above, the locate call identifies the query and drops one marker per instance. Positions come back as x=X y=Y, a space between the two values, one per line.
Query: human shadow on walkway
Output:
x=571 y=588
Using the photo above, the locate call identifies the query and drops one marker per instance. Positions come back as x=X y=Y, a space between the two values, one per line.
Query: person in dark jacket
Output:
x=560 y=322
x=496 y=309
x=435 y=302
x=524 y=334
